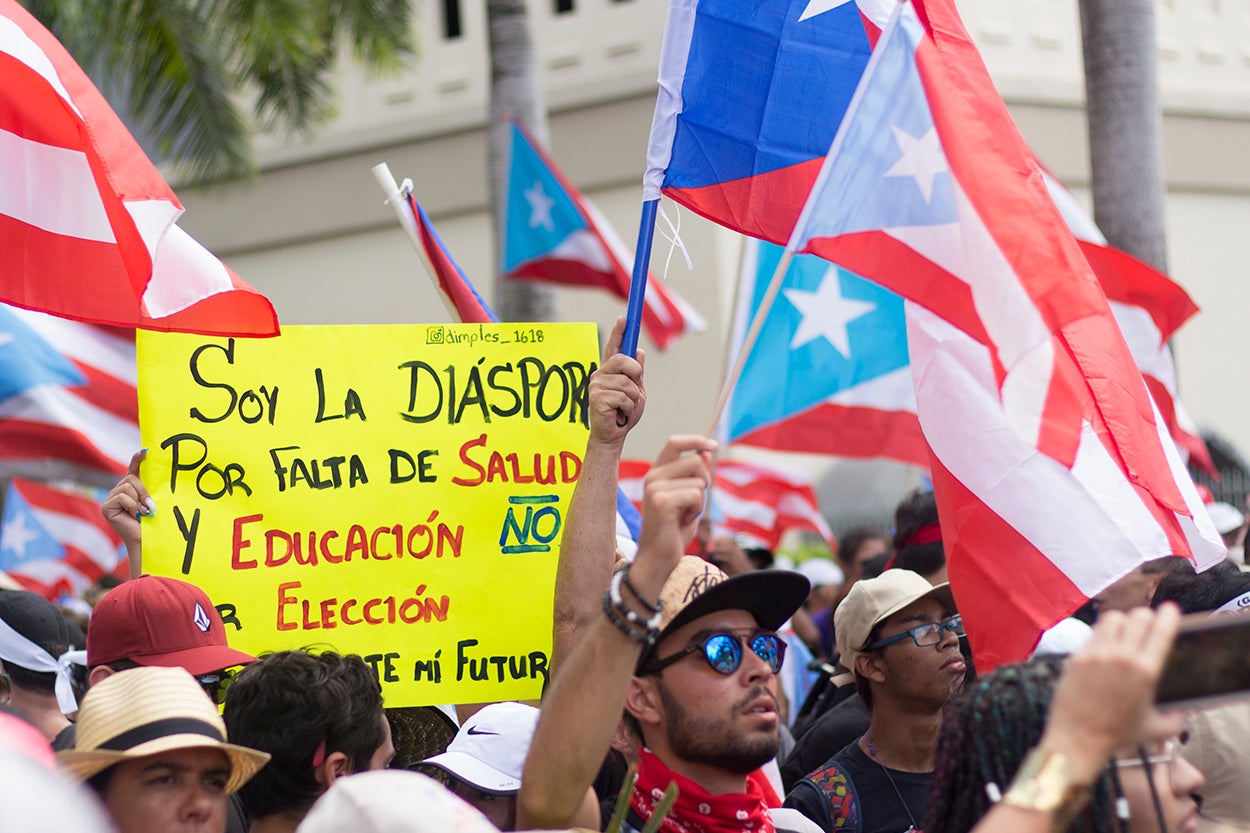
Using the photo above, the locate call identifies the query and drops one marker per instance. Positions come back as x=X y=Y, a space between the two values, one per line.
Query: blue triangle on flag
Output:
x=540 y=213
x=23 y=538
x=891 y=170
x=27 y=361
x=829 y=330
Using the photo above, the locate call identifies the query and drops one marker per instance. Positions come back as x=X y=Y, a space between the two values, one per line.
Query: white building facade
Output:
x=314 y=235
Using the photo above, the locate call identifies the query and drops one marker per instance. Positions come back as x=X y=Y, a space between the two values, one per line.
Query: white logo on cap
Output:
x=201 y=619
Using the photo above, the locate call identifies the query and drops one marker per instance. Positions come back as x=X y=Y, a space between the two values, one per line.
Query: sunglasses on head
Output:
x=724 y=650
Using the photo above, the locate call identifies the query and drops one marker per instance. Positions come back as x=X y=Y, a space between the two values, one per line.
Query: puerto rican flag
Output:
x=1149 y=308
x=88 y=227
x=55 y=542
x=552 y=233
x=750 y=97
x=760 y=503
x=1046 y=446
x=829 y=372
x=457 y=291
x=68 y=406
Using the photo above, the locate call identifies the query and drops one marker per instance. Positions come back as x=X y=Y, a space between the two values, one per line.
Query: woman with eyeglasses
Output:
x=1076 y=746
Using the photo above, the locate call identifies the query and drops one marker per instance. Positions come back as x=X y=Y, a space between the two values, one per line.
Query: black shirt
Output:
x=881 y=800
x=831 y=732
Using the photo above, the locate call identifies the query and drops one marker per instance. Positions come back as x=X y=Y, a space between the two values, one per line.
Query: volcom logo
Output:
x=701 y=584
x=201 y=619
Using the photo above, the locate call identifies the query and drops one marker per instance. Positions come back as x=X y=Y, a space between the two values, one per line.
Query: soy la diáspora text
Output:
x=527 y=388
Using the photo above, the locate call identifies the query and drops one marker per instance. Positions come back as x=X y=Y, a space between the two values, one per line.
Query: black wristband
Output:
x=629 y=585
x=641 y=635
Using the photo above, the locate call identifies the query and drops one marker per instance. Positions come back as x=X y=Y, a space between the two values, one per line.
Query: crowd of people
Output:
x=689 y=693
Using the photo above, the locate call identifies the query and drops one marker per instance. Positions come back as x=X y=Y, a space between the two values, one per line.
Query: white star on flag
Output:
x=922 y=159
x=826 y=313
x=540 y=206
x=815 y=7
x=16 y=536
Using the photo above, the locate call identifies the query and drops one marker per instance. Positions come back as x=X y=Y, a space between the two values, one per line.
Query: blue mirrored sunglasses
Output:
x=723 y=651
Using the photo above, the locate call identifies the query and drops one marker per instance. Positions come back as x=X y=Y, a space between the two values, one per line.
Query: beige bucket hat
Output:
x=146 y=711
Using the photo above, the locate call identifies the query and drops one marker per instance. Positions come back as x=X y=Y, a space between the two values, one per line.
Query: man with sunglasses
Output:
x=691 y=657
x=900 y=636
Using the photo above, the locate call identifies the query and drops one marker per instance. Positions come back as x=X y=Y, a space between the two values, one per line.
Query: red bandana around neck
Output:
x=697 y=810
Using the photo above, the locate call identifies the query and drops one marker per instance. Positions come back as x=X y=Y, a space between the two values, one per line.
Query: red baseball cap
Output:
x=153 y=620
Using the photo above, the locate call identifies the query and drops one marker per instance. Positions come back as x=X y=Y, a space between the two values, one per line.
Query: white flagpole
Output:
x=398 y=201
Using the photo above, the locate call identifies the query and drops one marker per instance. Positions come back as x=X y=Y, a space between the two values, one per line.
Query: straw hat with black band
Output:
x=146 y=711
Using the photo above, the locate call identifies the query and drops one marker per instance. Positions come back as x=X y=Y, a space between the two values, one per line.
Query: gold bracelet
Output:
x=1044 y=783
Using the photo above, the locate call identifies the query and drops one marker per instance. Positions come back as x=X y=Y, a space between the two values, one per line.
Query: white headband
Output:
x=20 y=651
x=1237 y=605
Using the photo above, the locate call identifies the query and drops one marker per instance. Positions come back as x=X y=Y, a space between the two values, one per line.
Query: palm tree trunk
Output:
x=516 y=93
x=1125 y=125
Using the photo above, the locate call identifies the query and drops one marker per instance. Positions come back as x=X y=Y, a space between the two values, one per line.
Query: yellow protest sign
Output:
x=396 y=492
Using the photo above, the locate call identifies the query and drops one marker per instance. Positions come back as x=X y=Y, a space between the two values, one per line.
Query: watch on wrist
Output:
x=1044 y=783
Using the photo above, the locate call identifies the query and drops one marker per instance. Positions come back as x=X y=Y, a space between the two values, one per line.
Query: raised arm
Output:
x=1103 y=701
x=588 y=546
x=586 y=699
x=126 y=503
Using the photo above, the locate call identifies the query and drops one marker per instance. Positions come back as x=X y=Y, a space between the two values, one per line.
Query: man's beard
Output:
x=705 y=739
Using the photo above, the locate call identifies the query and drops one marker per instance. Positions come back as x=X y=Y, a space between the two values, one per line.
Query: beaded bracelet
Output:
x=629 y=585
x=614 y=593
x=643 y=636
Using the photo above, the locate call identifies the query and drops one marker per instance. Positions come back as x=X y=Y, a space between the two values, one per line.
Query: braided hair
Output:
x=990 y=728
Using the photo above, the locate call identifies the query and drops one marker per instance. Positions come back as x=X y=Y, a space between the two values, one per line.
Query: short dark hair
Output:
x=99 y=782
x=1196 y=592
x=288 y=704
x=875 y=566
x=43 y=682
x=853 y=539
x=917 y=510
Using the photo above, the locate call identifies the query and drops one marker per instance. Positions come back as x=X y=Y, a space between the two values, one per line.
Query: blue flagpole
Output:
x=638 y=282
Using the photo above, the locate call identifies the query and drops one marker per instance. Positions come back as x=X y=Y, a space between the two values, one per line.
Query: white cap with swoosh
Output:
x=489 y=750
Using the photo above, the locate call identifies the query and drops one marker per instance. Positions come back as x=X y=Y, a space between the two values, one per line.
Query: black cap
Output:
x=696 y=588
x=37 y=619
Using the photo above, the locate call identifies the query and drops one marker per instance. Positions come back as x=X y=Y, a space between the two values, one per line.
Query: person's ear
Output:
x=335 y=766
x=642 y=700
x=870 y=665
x=98 y=675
